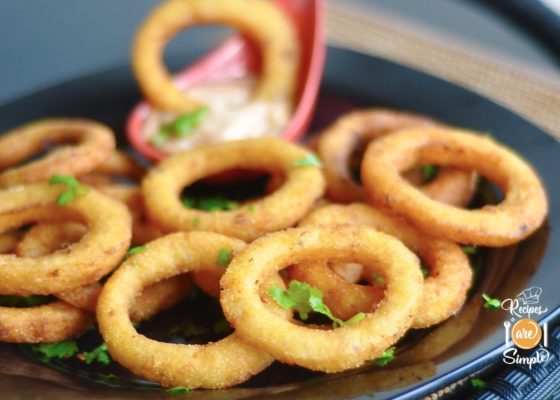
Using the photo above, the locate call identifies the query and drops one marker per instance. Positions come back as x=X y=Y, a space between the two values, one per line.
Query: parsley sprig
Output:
x=74 y=188
x=385 y=358
x=182 y=126
x=65 y=349
x=100 y=355
x=429 y=171
x=210 y=204
x=490 y=303
x=178 y=390
x=478 y=384
x=224 y=257
x=305 y=299
x=310 y=160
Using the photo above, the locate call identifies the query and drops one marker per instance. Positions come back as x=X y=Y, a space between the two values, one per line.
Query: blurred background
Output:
x=46 y=42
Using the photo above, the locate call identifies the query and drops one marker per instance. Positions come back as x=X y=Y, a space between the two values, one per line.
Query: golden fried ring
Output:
x=119 y=165
x=142 y=230
x=283 y=208
x=261 y=20
x=214 y=365
x=9 y=242
x=322 y=350
x=101 y=249
x=94 y=144
x=52 y=322
x=336 y=144
x=46 y=238
x=520 y=213
x=445 y=289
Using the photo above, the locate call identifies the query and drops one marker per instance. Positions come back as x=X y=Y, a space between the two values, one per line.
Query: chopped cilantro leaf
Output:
x=73 y=188
x=210 y=204
x=478 y=383
x=469 y=250
x=182 y=126
x=224 y=257
x=378 y=279
x=109 y=379
x=251 y=208
x=195 y=222
x=429 y=171
x=178 y=390
x=99 y=355
x=386 y=357
x=136 y=250
x=65 y=349
x=425 y=270
x=490 y=303
x=310 y=160
x=305 y=298
x=221 y=326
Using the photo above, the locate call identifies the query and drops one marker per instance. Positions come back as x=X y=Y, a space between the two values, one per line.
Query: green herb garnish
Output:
x=310 y=160
x=469 y=250
x=182 y=126
x=73 y=188
x=221 y=326
x=429 y=171
x=135 y=250
x=99 y=355
x=224 y=257
x=491 y=304
x=210 y=204
x=378 y=279
x=425 y=270
x=386 y=357
x=195 y=222
x=251 y=208
x=178 y=390
x=65 y=349
x=305 y=298
x=478 y=383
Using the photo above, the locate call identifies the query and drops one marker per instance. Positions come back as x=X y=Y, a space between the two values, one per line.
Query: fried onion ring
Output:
x=445 y=288
x=214 y=365
x=119 y=165
x=283 y=208
x=50 y=322
x=101 y=249
x=336 y=144
x=46 y=238
x=322 y=350
x=520 y=213
x=94 y=144
x=259 y=19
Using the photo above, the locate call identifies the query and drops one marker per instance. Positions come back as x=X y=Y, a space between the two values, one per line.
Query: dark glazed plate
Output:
x=351 y=79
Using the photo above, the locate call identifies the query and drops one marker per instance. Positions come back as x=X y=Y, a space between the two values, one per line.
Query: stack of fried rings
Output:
x=73 y=246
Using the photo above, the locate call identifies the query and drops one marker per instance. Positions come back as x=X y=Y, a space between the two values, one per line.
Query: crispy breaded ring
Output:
x=46 y=238
x=322 y=350
x=94 y=144
x=52 y=322
x=337 y=143
x=9 y=242
x=261 y=20
x=214 y=365
x=119 y=165
x=284 y=207
x=101 y=249
x=142 y=230
x=522 y=211
x=445 y=289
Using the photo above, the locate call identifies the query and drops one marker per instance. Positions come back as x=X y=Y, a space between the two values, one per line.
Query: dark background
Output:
x=49 y=41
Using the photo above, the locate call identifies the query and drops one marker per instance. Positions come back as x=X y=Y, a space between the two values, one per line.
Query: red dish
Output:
x=237 y=57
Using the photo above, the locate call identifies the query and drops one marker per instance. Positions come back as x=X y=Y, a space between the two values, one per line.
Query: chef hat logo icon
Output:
x=530 y=296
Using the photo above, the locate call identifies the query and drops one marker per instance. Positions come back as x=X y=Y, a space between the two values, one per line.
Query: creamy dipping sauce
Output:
x=230 y=114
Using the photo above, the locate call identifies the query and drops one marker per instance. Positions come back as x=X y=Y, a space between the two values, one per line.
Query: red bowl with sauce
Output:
x=237 y=57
